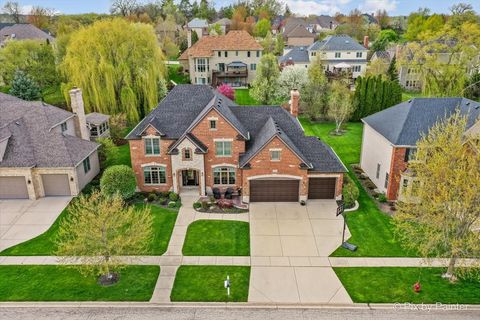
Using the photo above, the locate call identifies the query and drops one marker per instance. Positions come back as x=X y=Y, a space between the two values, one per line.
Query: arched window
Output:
x=154 y=175
x=224 y=175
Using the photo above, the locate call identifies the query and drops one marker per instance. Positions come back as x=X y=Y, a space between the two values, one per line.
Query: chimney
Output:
x=76 y=101
x=365 y=42
x=294 y=102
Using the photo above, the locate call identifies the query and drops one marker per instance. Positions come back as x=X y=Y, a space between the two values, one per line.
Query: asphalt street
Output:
x=221 y=313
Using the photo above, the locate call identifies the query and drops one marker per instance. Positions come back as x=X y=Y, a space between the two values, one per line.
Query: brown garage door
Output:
x=13 y=188
x=56 y=185
x=274 y=190
x=321 y=188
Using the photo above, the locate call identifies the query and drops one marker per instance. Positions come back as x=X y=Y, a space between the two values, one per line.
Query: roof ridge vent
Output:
x=468 y=103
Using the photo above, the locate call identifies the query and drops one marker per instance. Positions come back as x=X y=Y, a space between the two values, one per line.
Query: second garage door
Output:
x=321 y=188
x=56 y=185
x=274 y=190
x=13 y=188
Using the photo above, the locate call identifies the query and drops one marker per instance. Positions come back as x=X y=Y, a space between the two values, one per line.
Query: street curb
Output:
x=237 y=305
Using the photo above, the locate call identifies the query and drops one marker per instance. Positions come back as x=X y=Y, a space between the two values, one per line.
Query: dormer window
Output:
x=64 y=127
x=152 y=146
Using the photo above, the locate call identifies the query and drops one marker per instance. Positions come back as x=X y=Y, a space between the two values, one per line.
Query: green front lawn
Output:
x=347 y=146
x=175 y=75
x=217 y=238
x=391 y=285
x=372 y=230
x=243 y=98
x=44 y=244
x=206 y=284
x=62 y=283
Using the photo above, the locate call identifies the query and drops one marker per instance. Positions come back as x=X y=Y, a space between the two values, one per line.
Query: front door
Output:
x=189 y=178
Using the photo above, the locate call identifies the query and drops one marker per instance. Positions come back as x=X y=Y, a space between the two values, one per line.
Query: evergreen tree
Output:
x=392 y=72
x=279 y=45
x=287 y=13
x=194 y=37
x=24 y=87
x=185 y=7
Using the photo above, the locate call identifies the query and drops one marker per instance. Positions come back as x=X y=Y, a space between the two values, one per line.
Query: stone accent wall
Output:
x=137 y=152
x=208 y=136
x=398 y=165
x=179 y=163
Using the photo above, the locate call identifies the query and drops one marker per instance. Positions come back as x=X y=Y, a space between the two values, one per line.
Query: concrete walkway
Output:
x=22 y=220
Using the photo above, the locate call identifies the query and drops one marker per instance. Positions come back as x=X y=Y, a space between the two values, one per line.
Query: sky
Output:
x=302 y=7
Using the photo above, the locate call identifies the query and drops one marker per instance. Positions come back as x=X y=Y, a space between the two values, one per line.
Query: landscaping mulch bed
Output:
x=367 y=184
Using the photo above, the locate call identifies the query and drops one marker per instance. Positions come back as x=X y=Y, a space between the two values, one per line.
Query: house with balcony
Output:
x=340 y=54
x=230 y=58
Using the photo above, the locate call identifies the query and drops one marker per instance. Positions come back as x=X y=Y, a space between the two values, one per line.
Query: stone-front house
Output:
x=297 y=32
x=44 y=150
x=230 y=58
x=390 y=137
x=198 y=139
x=338 y=53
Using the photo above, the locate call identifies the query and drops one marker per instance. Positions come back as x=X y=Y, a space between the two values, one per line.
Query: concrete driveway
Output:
x=22 y=220
x=290 y=244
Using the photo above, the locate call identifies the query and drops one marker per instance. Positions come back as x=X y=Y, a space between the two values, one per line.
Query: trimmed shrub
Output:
x=173 y=196
x=205 y=205
x=152 y=197
x=197 y=205
x=121 y=179
x=350 y=192
x=382 y=198
x=172 y=204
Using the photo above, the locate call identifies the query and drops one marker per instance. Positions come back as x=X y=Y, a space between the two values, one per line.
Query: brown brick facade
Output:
x=397 y=166
x=138 y=157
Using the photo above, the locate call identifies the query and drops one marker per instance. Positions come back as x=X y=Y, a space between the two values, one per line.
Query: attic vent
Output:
x=477 y=107
x=468 y=103
x=346 y=41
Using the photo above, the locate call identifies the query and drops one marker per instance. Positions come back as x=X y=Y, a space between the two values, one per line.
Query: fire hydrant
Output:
x=417 y=287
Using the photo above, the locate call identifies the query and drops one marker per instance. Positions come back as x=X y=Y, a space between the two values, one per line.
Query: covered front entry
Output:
x=13 y=188
x=321 y=188
x=189 y=178
x=56 y=185
x=274 y=190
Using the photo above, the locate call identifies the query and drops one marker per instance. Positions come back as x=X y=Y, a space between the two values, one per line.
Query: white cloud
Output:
x=307 y=7
x=374 y=5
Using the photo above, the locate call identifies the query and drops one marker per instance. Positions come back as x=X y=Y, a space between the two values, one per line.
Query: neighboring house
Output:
x=44 y=150
x=200 y=26
x=296 y=32
x=298 y=56
x=22 y=31
x=197 y=139
x=323 y=23
x=224 y=24
x=230 y=58
x=98 y=125
x=338 y=53
x=384 y=56
x=390 y=137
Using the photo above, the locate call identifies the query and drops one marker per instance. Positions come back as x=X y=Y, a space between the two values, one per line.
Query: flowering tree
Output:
x=227 y=91
x=292 y=77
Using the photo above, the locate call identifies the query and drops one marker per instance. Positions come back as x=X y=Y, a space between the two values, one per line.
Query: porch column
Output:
x=202 y=183
x=175 y=181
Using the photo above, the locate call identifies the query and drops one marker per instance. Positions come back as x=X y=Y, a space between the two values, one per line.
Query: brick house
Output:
x=230 y=58
x=198 y=139
x=390 y=137
x=44 y=150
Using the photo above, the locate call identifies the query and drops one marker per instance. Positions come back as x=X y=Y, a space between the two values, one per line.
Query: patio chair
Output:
x=216 y=193
x=229 y=193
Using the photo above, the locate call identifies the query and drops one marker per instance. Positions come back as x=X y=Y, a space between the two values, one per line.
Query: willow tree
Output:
x=119 y=66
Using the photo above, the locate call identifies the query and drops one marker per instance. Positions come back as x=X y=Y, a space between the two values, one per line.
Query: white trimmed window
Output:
x=338 y=54
x=223 y=148
x=154 y=175
x=224 y=175
x=213 y=124
x=187 y=154
x=275 y=155
x=359 y=54
x=86 y=165
x=152 y=146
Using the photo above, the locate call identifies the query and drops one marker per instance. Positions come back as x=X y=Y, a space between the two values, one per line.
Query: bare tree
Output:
x=124 y=7
x=13 y=8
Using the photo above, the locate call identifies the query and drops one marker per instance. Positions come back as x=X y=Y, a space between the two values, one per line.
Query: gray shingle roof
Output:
x=23 y=31
x=317 y=153
x=32 y=142
x=300 y=31
x=296 y=54
x=96 y=118
x=384 y=55
x=197 y=23
x=326 y=21
x=337 y=42
x=405 y=123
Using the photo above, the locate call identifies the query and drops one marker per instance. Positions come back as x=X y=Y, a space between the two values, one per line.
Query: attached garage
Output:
x=56 y=185
x=321 y=188
x=13 y=188
x=274 y=190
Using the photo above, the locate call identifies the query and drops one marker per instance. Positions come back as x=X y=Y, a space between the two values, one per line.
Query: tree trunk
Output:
x=451 y=268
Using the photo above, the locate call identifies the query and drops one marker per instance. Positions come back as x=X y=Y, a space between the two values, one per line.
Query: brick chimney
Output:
x=294 y=102
x=365 y=41
x=76 y=101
